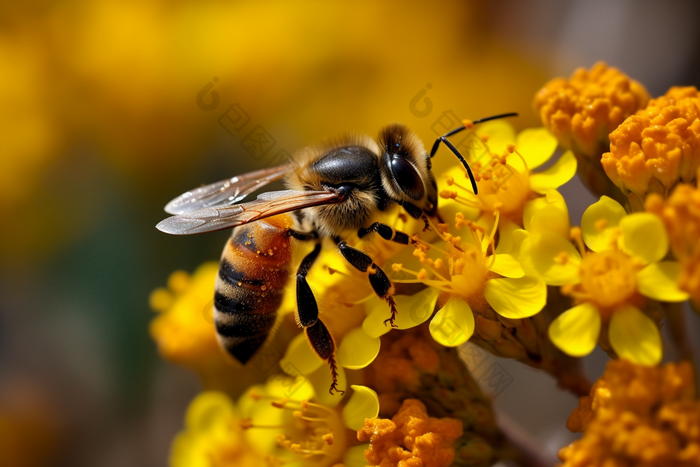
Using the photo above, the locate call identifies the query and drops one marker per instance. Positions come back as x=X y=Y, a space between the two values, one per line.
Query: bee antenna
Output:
x=443 y=139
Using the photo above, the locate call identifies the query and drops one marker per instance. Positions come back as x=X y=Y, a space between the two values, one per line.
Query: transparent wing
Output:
x=225 y=192
x=266 y=205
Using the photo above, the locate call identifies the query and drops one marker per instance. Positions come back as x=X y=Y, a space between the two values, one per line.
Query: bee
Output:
x=334 y=188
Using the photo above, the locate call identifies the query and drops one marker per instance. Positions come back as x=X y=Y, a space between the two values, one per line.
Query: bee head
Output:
x=405 y=166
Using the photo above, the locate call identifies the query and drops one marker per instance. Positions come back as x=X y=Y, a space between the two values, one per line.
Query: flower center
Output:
x=608 y=277
x=468 y=271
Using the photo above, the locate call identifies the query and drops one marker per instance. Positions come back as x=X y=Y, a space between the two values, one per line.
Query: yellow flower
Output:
x=609 y=281
x=681 y=216
x=657 y=147
x=470 y=276
x=503 y=165
x=213 y=436
x=272 y=424
x=181 y=330
x=411 y=437
x=637 y=416
x=581 y=111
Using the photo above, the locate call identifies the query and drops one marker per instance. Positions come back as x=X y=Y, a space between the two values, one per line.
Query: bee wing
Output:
x=225 y=192
x=266 y=205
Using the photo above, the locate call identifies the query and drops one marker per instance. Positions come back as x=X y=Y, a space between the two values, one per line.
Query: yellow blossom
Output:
x=411 y=438
x=272 y=424
x=681 y=216
x=609 y=281
x=504 y=165
x=581 y=111
x=658 y=146
x=637 y=416
x=181 y=330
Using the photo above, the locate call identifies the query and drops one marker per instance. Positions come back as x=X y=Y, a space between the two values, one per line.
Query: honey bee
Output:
x=334 y=188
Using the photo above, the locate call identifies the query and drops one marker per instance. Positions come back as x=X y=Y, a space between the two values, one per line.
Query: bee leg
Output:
x=307 y=308
x=377 y=278
x=416 y=213
x=323 y=344
x=386 y=232
x=316 y=332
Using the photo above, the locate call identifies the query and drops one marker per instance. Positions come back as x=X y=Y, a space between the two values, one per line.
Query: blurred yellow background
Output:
x=101 y=124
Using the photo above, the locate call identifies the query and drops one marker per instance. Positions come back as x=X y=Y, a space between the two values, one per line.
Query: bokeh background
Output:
x=100 y=125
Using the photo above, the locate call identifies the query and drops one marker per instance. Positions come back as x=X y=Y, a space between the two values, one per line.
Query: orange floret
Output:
x=411 y=438
x=582 y=111
x=657 y=147
x=637 y=416
x=681 y=216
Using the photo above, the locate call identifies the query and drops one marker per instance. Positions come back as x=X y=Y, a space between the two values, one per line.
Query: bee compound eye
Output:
x=407 y=178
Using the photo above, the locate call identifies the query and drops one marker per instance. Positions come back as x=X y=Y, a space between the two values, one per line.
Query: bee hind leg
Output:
x=317 y=333
x=323 y=344
x=378 y=279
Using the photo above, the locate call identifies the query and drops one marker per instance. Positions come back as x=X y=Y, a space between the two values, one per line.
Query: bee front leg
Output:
x=386 y=232
x=377 y=278
x=317 y=333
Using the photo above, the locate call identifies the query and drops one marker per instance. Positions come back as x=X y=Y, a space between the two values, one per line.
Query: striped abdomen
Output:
x=253 y=272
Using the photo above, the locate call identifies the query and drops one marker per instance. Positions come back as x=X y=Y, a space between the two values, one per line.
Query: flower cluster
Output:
x=637 y=416
x=583 y=110
x=505 y=270
x=657 y=147
x=681 y=216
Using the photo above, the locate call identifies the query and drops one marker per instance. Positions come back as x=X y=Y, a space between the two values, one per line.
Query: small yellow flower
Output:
x=657 y=147
x=411 y=437
x=504 y=165
x=182 y=330
x=637 y=416
x=272 y=424
x=609 y=281
x=681 y=216
x=581 y=111
x=467 y=276
x=213 y=436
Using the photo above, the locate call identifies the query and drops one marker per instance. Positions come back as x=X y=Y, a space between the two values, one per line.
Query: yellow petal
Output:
x=536 y=145
x=412 y=311
x=284 y=386
x=547 y=213
x=551 y=257
x=644 y=236
x=363 y=403
x=660 y=282
x=516 y=298
x=299 y=358
x=598 y=223
x=453 y=325
x=357 y=350
x=500 y=132
x=507 y=266
x=576 y=330
x=206 y=409
x=634 y=336
x=321 y=382
x=506 y=240
x=355 y=456
x=556 y=175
